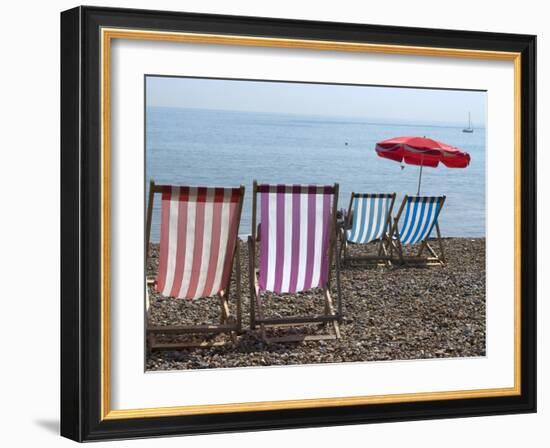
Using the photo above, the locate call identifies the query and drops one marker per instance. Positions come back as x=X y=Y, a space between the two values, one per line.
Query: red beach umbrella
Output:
x=422 y=151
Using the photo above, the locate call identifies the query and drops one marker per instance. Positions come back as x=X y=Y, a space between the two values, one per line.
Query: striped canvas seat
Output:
x=296 y=222
x=420 y=217
x=371 y=214
x=198 y=236
x=296 y=242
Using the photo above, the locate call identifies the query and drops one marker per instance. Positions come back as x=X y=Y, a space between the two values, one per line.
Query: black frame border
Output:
x=81 y=223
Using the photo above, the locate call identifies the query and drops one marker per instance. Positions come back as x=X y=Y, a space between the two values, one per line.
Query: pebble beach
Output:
x=389 y=313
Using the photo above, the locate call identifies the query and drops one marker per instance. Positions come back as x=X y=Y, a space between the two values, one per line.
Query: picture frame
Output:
x=86 y=37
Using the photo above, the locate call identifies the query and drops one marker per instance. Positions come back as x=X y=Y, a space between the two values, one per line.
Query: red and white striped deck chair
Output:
x=198 y=250
x=296 y=245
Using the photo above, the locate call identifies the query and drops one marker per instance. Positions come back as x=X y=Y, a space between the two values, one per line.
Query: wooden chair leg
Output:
x=224 y=307
x=346 y=250
x=150 y=342
x=330 y=307
x=238 y=289
x=384 y=247
x=435 y=255
x=226 y=317
x=252 y=282
x=342 y=250
x=338 y=291
x=255 y=302
x=399 y=249
x=260 y=312
x=442 y=251
x=149 y=337
x=422 y=247
x=381 y=247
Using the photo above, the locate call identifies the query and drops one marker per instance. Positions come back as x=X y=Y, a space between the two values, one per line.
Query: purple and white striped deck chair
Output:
x=297 y=225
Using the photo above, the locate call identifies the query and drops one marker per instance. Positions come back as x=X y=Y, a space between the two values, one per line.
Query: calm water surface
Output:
x=226 y=148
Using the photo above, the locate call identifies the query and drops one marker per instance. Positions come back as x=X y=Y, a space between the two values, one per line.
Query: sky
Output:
x=373 y=103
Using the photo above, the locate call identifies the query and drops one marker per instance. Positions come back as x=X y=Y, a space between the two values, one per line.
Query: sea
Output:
x=230 y=148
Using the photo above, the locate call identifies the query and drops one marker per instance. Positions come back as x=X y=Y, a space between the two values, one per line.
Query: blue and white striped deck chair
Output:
x=368 y=220
x=420 y=215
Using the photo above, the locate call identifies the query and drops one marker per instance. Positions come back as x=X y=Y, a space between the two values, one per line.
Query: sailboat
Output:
x=469 y=129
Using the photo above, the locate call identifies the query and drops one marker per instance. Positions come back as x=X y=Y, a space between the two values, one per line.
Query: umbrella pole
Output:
x=419 y=180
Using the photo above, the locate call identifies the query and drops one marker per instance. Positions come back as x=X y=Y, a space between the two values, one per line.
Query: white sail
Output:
x=469 y=129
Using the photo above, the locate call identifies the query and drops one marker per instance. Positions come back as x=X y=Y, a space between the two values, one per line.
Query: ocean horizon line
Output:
x=343 y=119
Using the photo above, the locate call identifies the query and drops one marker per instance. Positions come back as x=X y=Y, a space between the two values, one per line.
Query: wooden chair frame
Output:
x=383 y=255
x=330 y=316
x=229 y=323
x=395 y=241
